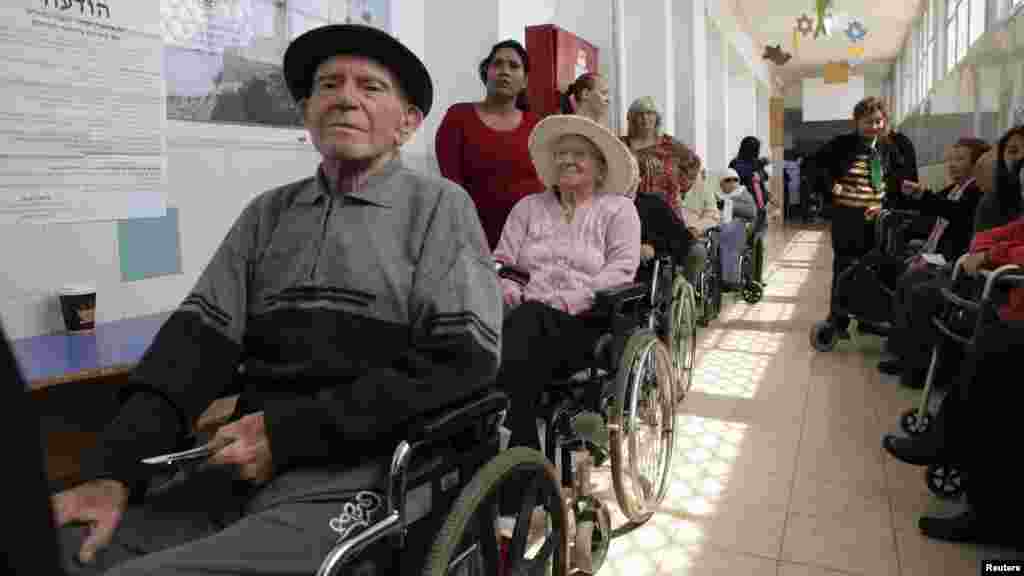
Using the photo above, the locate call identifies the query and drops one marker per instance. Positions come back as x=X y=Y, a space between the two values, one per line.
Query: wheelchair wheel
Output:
x=642 y=426
x=471 y=520
x=944 y=480
x=823 y=336
x=914 y=426
x=752 y=292
x=682 y=336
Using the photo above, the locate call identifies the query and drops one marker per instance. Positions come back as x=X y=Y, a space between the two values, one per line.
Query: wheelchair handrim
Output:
x=639 y=507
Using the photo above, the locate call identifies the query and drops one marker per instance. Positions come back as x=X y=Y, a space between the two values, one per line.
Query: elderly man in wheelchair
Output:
x=364 y=309
x=583 y=351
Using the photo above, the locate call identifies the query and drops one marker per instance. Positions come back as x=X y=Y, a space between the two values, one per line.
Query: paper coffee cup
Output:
x=78 y=306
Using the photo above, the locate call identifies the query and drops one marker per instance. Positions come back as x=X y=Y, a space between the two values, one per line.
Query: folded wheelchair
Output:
x=641 y=370
x=865 y=290
x=961 y=319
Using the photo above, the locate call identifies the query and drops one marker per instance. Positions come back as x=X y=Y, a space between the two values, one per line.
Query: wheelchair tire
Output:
x=752 y=292
x=944 y=480
x=475 y=512
x=912 y=424
x=638 y=401
x=682 y=336
x=823 y=336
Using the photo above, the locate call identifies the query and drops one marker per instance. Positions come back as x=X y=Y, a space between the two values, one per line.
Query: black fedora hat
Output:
x=312 y=48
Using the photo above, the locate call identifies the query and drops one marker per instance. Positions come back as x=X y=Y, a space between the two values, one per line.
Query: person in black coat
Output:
x=661 y=231
x=862 y=172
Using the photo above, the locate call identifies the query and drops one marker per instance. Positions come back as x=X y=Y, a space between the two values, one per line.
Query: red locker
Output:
x=557 y=58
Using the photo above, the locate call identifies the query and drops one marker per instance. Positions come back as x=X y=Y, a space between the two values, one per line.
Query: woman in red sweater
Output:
x=483 y=146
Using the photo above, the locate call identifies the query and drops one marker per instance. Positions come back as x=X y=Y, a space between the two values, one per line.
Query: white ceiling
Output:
x=771 y=22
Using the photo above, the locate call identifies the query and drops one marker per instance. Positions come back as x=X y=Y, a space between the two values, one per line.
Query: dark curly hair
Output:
x=521 y=102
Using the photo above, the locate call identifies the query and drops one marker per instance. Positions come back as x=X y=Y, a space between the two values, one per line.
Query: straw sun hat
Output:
x=622 y=168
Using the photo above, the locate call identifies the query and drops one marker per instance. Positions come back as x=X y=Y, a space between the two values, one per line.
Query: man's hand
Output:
x=694 y=231
x=250 y=450
x=646 y=252
x=973 y=263
x=100 y=504
x=872 y=212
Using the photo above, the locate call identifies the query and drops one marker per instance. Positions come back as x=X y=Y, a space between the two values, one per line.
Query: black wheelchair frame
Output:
x=612 y=387
x=890 y=243
x=959 y=322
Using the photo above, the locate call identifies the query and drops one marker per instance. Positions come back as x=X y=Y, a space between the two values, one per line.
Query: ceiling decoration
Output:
x=792 y=23
x=776 y=55
x=805 y=25
x=856 y=31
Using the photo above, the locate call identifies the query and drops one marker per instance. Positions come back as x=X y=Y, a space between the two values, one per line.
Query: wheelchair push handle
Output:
x=1010 y=276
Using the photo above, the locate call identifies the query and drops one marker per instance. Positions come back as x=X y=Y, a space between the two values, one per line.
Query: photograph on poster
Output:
x=222 y=58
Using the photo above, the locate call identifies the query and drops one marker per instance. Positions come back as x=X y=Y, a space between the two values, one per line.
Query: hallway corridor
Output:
x=779 y=469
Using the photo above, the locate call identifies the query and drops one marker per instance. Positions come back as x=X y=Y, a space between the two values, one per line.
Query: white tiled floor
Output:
x=779 y=469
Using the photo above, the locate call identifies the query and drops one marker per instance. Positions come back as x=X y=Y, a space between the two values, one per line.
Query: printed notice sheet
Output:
x=82 y=111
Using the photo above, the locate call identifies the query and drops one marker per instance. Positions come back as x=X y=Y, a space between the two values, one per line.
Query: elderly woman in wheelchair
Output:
x=570 y=256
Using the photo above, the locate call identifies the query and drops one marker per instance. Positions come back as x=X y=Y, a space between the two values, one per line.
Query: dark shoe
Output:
x=913 y=379
x=892 y=367
x=961 y=528
x=872 y=328
x=920 y=451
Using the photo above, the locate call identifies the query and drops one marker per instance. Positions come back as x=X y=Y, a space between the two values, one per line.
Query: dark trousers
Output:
x=915 y=340
x=209 y=523
x=992 y=403
x=852 y=238
x=539 y=344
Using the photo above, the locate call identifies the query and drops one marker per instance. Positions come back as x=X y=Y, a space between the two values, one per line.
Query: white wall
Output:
x=742 y=113
x=647 y=56
x=718 y=119
x=691 y=77
x=670 y=52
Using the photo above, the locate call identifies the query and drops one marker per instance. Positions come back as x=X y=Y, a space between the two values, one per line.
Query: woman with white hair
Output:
x=579 y=236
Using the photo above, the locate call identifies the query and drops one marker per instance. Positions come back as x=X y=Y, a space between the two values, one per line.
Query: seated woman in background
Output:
x=973 y=429
x=738 y=209
x=1000 y=203
x=483 y=146
x=587 y=96
x=951 y=211
x=579 y=236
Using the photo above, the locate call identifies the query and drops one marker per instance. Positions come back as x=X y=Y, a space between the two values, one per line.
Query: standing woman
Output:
x=483 y=146
x=865 y=170
x=588 y=96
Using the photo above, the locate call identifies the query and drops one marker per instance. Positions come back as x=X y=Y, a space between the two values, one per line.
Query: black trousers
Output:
x=991 y=405
x=539 y=345
x=914 y=342
x=852 y=238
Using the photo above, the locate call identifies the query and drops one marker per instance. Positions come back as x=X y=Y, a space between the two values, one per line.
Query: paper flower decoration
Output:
x=805 y=25
x=855 y=51
x=854 y=62
x=856 y=31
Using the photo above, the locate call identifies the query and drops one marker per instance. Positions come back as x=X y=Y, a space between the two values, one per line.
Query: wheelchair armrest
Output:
x=452 y=420
x=517 y=274
x=614 y=297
